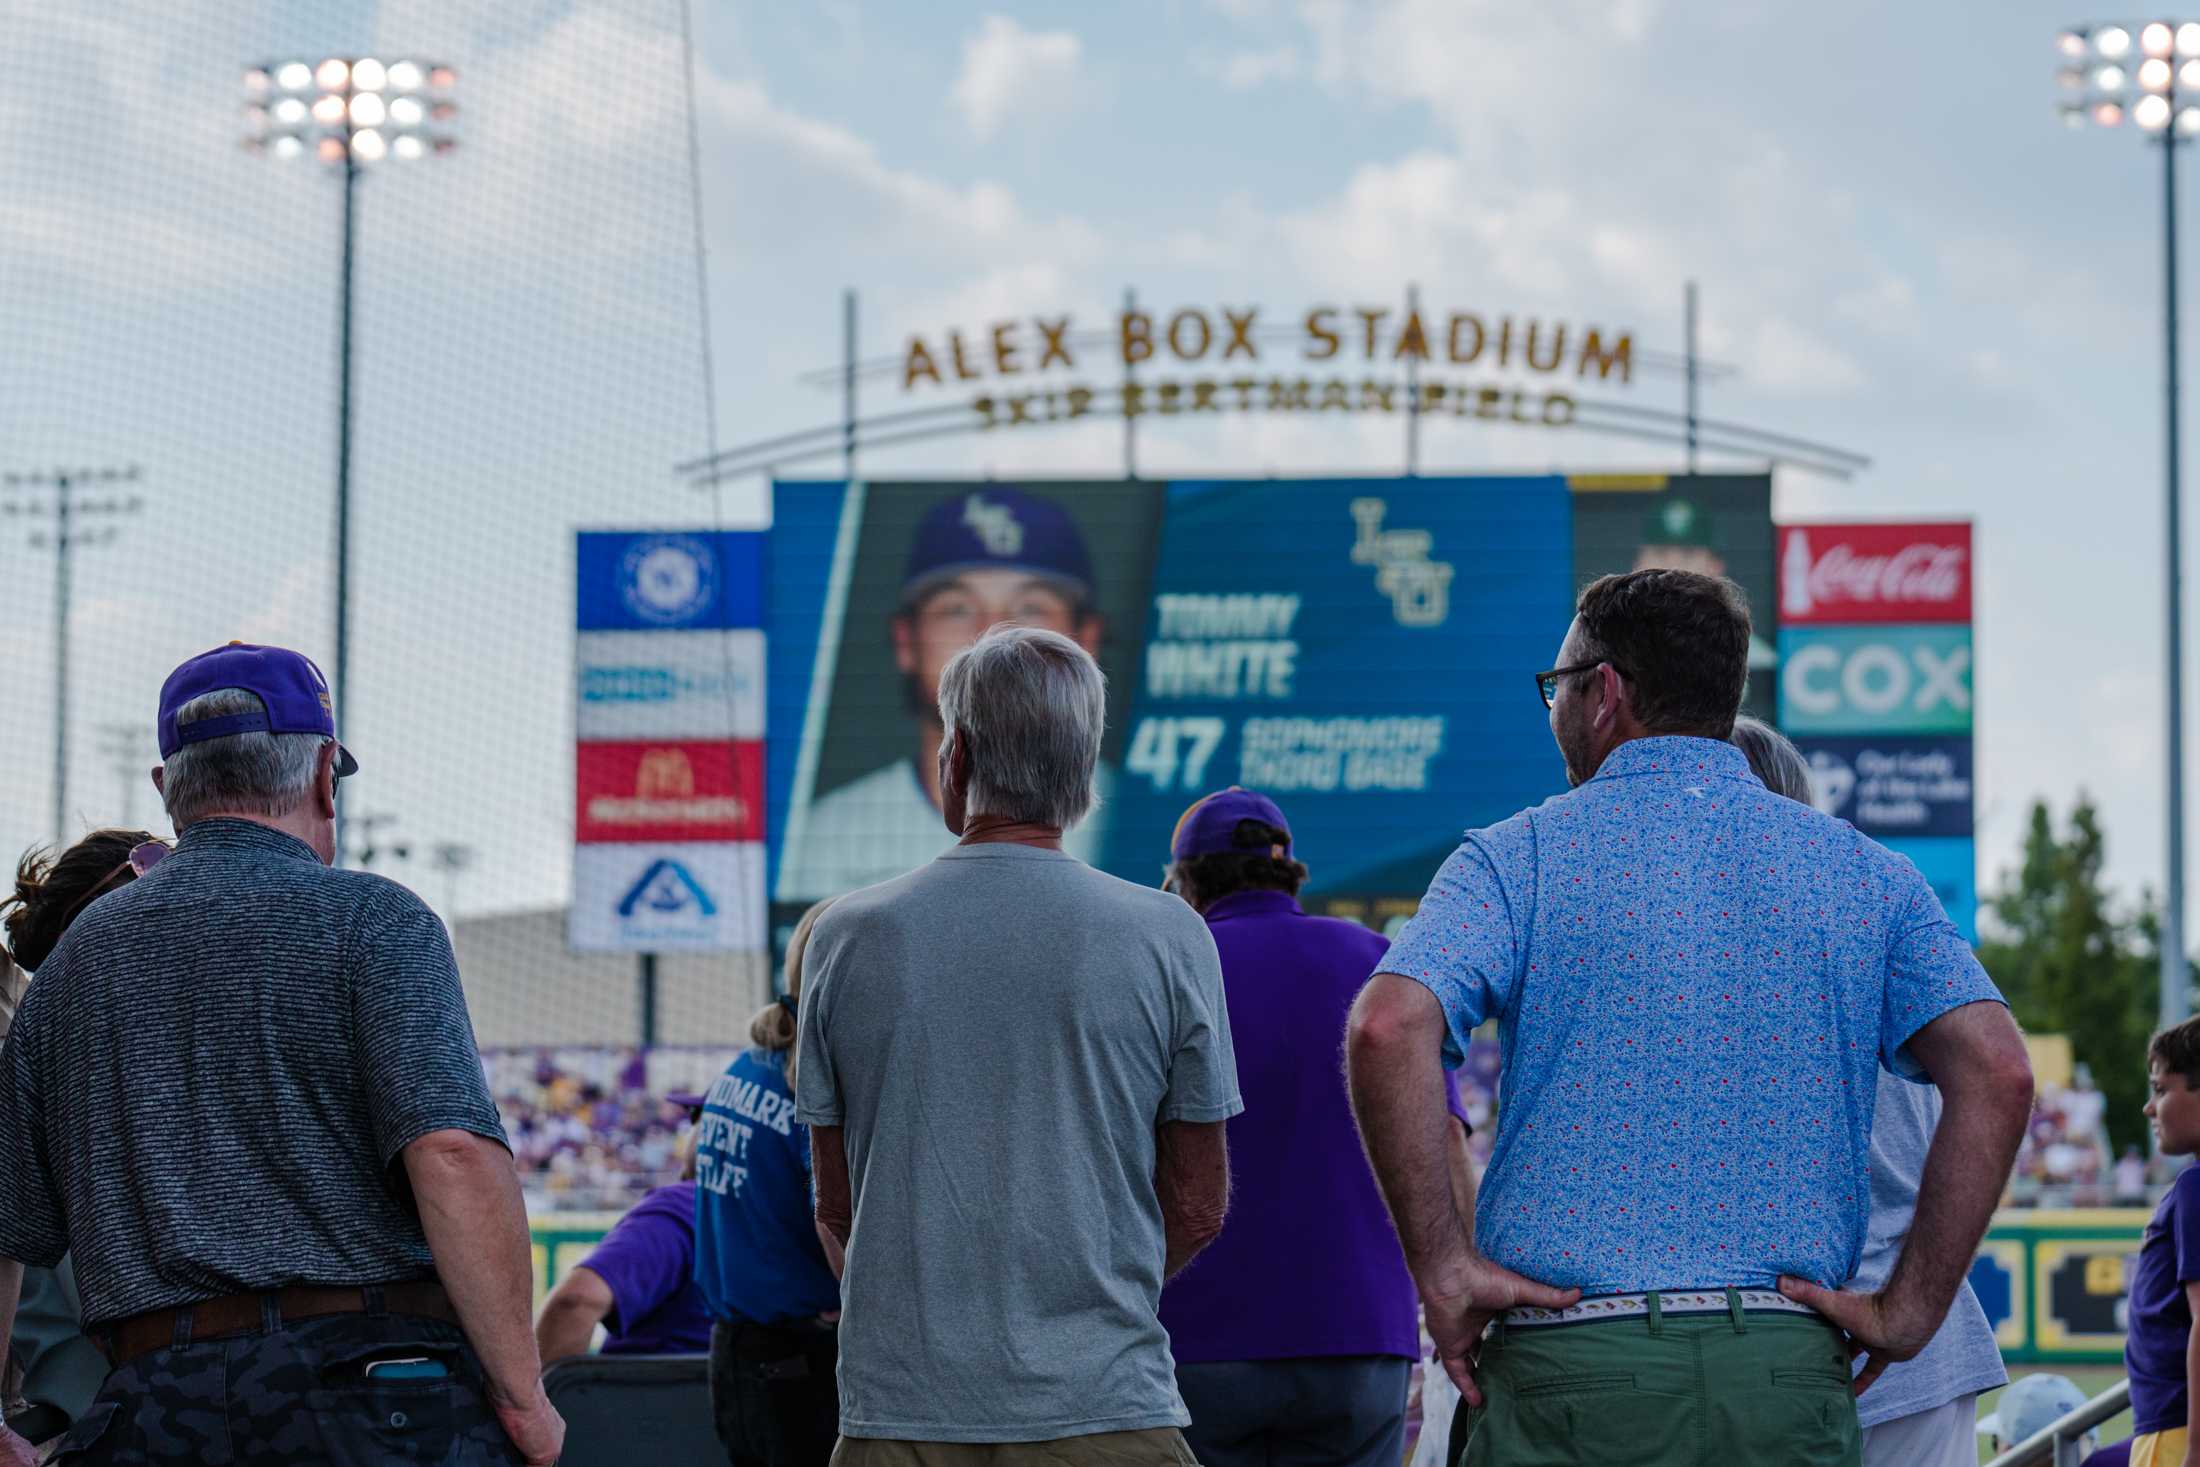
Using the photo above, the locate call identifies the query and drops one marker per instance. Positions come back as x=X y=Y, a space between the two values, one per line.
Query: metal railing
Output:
x=2057 y=1444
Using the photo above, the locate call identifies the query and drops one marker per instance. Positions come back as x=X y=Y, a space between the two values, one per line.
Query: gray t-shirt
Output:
x=998 y=1033
x=1962 y=1359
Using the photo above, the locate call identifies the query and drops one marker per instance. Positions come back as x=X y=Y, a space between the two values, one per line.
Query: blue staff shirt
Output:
x=1695 y=981
x=757 y=1257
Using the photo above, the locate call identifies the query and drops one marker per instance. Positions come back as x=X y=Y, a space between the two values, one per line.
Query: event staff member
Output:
x=243 y=1095
x=1692 y=977
x=1318 y=1371
x=769 y=1274
x=1922 y=1412
x=977 y=560
x=1016 y=1071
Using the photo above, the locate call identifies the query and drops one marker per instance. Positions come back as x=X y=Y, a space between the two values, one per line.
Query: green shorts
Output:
x=1691 y=1390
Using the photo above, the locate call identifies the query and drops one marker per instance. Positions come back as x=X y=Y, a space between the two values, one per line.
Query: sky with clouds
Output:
x=1900 y=251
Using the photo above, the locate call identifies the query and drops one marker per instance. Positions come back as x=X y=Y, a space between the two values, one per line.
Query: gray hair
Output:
x=1772 y=758
x=1027 y=706
x=255 y=773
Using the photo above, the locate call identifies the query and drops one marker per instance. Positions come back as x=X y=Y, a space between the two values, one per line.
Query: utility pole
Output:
x=127 y=749
x=53 y=492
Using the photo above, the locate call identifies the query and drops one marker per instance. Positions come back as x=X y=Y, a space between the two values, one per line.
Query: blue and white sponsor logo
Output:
x=668 y=579
x=682 y=896
x=669 y=685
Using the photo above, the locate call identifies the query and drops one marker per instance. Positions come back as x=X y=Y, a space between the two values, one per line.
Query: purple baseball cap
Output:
x=294 y=694
x=997 y=528
x=1209 y=827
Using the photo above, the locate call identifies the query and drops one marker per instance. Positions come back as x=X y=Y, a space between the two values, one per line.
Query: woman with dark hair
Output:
x=51 y=1370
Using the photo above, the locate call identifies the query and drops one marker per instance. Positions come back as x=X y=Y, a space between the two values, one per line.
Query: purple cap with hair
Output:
x=294 y=698
x=1209 y=827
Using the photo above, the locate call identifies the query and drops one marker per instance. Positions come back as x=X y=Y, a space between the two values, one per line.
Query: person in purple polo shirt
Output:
x=1296 y=1331
x=639 y=1282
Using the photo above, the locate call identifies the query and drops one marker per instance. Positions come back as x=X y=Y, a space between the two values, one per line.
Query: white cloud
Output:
x=1244 y=70
x=1008 y=72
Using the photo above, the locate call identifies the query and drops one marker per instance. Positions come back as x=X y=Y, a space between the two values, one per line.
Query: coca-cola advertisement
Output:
x=1874 y=573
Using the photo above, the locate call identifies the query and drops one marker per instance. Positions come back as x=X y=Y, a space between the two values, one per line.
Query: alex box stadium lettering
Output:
x=1843 y=574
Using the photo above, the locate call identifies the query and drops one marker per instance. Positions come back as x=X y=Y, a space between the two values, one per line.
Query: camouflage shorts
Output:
x=294 y=1395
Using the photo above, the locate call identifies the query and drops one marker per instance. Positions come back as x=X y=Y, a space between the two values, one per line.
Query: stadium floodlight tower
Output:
x=2148 y=74
x=348 y=112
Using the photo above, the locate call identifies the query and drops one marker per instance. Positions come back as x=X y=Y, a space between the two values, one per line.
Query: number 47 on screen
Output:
x=1173 y=752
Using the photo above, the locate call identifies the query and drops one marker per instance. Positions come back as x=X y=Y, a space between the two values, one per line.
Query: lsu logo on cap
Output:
x=995 y=525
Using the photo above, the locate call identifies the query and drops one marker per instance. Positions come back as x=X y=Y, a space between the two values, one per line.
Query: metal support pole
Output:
x=1413 y=392
x=848 y=385
x=343 y=487
x=646 y=972
x=2175 y=982
x=1690 y=329
x=63 y=548
x=1130 y=421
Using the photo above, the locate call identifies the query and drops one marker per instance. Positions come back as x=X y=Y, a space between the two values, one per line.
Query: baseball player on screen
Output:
x=993 y=555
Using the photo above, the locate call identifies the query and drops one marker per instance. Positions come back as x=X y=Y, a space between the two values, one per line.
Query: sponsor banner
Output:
x=669 y=685
x=655 y=790
x=670 y=580
x=669 y=897
x=1875 y=680
x=1893 y=786
x=1950 y=864
x=1835 y=574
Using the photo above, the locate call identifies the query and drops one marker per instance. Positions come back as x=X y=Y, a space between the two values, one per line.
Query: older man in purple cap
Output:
x=244 y=1096
x=1316 y=1372
x=992 y=556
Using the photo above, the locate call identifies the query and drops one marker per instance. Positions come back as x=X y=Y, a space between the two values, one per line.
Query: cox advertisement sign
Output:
x=1833 y=575
x=1875 y=680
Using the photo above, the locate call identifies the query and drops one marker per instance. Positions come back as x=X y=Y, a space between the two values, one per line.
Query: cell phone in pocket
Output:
x=409 y=1367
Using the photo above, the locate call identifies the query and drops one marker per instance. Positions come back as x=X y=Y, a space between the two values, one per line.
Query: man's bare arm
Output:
x=476 y=1223
x=1976 y=1056
x=835 y=1198
x=570 y=1315
x=1464 y=1178
x=1192 y=1177
x=1394 y=1065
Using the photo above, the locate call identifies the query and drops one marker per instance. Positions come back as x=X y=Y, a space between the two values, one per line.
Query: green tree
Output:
x=2072 y=961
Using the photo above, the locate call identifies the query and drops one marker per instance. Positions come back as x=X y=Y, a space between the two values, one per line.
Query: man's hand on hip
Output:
x=1462 y=1305
x=16 y=1452
x=534 y=1426
x=1880 y=1326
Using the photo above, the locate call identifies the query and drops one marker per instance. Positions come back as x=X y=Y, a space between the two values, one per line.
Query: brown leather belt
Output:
x=245 y=1314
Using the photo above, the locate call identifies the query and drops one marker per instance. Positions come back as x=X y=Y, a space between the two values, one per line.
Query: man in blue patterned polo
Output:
x=1695 y=982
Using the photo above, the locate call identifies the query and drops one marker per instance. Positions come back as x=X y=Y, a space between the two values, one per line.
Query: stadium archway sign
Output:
x=1219 y=359
x=1210 y=359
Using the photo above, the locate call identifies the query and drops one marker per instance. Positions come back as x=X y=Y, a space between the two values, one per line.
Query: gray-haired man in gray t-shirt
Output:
x=1016 y=1070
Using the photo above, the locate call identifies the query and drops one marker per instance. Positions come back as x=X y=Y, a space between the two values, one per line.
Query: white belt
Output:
x=1638 y=1306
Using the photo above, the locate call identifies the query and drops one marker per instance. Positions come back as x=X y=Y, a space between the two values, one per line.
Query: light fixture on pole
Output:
x=348 y=111
x=54 y=493
x=2148 y=74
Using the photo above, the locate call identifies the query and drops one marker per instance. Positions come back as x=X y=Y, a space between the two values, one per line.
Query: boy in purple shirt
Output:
x=2159 y=1351
x=638 y=1283
x=1296 y=1330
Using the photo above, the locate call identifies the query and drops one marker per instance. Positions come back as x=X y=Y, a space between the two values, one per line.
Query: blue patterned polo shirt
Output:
x=1695 y=981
